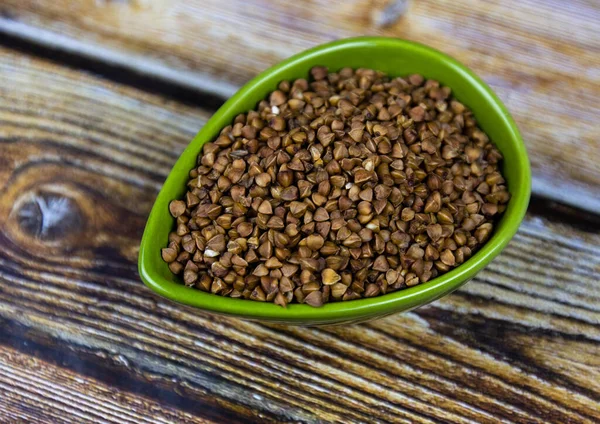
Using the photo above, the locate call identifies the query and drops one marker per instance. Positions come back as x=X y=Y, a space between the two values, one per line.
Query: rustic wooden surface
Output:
x=32 y=387
x=541 y=56
x=82 y=340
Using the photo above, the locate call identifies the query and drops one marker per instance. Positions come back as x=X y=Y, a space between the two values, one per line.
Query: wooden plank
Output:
x=516 y=347
x=82 y=160
x=69 y=142
x=33 y=389
x=541 y=57
x=104 y=367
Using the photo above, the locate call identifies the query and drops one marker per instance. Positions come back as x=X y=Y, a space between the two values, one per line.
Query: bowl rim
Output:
x=402 y=299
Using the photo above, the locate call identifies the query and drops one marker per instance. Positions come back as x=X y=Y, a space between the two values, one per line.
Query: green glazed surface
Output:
x=397 y=58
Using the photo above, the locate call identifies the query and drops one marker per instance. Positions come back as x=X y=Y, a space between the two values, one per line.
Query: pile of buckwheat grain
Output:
x=353 y=185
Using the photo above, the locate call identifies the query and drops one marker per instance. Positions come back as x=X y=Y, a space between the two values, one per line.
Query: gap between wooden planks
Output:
x=541 y=57
x=519 y=343
x=33 y=388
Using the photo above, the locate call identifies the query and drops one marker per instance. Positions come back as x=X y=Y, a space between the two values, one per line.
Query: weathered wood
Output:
x=511 y=345
x=541 y=57
x=81 y=162
x=32 y=389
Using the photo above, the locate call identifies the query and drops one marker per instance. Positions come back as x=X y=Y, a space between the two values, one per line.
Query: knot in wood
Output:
x=48 y=216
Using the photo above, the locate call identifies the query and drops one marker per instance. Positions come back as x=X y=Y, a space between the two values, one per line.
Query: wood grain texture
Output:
x=82 y=160
x=541 y=57
x=33 y=390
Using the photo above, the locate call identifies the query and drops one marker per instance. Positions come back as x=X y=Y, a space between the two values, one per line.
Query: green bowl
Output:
x=397 y=58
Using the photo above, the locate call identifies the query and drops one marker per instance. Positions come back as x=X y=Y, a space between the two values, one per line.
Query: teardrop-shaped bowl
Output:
x=397 y=58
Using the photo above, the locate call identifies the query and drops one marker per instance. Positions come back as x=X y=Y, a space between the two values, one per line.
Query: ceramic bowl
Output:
x=395 y=57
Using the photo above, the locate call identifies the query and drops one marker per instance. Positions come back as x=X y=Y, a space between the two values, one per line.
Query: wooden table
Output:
x=97 y=100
